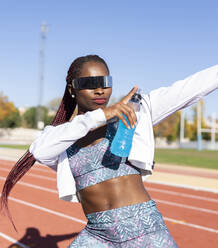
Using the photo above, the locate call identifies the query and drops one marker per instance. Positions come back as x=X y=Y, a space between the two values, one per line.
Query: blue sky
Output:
x=149 y=43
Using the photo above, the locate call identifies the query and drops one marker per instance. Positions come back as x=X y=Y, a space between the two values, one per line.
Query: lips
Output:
x=99 y=100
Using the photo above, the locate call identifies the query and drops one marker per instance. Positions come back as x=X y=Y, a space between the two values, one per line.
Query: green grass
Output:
x=23 y=147
x=189 y=157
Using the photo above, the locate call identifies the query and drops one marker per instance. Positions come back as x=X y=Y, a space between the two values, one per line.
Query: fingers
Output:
x=130 y=114
x=124 y=112
x=129 y=95
x=124 y=120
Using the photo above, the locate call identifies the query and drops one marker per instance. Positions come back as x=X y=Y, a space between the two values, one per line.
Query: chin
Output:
x=97 y=106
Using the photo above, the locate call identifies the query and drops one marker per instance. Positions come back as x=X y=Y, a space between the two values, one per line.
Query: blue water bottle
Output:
x=122 y=141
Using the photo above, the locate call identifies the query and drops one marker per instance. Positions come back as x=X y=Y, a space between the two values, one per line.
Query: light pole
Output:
x=201 y=130
x=39 y=113
x=182 y=127
x=199 y=126
x=213 y=132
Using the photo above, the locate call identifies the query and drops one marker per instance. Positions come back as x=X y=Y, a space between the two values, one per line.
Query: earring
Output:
x=73 y=96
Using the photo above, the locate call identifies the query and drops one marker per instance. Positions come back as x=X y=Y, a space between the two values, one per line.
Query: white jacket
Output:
x=50 y=147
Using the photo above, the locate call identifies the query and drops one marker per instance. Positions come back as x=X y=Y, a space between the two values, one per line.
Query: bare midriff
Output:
x=113 y=193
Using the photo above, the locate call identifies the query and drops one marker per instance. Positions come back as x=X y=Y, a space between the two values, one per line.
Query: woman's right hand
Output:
x=120 y=108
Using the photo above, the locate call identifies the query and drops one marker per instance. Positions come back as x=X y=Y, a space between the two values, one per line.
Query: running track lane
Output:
x=191 y=215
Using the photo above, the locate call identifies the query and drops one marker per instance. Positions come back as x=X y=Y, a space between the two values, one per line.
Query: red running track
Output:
x=45 y=221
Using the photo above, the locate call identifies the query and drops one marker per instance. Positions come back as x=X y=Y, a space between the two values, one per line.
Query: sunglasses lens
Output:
x=92 y=82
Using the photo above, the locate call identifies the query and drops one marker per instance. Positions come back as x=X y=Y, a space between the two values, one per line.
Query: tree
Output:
x=54 y=104
x=9 y=114
x=169 y=127
x=191 y=128
x=30 y=116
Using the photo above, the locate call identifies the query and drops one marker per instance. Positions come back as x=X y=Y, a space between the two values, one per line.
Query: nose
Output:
x=99 y=91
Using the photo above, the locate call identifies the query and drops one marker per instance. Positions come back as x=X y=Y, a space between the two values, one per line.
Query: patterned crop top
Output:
x=94 y=164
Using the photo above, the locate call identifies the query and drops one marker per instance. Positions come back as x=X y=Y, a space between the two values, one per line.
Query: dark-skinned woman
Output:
x=118 y=208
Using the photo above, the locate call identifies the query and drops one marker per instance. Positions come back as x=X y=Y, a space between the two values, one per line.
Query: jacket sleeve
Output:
x=54 y=140
x=167 y=100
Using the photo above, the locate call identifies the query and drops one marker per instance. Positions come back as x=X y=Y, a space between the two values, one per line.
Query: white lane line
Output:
x=35 y=167
x=185 y=186
x=2 y=157
x=83 y=222
x=33 y=175
x=187 y=206
x=46 y=210
x=191 y=225
x=182 y=194
x=33 y=186
x=161 y=201
x=14 y=241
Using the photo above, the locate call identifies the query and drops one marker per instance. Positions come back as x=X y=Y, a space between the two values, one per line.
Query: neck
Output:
x=83 y=111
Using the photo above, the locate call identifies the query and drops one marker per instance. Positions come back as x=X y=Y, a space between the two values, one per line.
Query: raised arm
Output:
x=54 y=140
x=167 y=100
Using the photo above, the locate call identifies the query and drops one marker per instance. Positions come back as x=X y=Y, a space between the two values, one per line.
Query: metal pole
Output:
x=39 y=117
x=199 y=145
x=182 y=120
x=213 y=132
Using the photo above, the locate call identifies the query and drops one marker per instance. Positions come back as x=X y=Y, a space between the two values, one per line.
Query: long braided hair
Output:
x=64 y=113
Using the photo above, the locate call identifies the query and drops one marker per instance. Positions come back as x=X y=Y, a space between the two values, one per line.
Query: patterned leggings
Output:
x=135 y=226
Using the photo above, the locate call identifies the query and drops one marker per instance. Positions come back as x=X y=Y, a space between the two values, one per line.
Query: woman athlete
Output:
x=119 y=210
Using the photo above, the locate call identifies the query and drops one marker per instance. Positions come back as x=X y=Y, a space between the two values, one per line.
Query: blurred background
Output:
x=151 y=44
x=148 y=43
